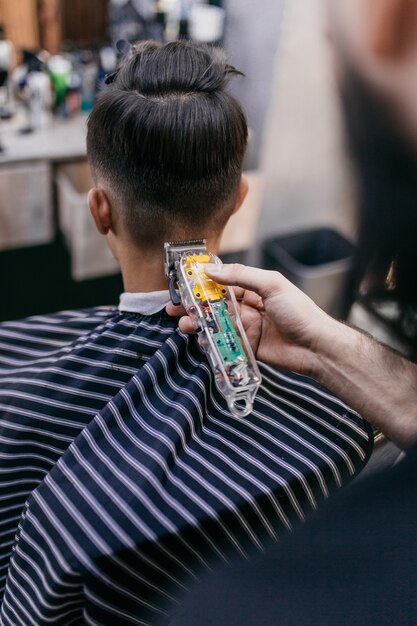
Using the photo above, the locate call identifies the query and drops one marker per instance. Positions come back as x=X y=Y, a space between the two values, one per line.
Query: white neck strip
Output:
x=144 y=303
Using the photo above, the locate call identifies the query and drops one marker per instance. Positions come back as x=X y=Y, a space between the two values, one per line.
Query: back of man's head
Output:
x=166 y=141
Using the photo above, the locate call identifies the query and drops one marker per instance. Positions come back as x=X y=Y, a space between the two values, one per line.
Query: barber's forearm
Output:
x=373 y=380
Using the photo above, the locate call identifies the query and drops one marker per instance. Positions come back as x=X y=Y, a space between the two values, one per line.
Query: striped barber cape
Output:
x=123 y=475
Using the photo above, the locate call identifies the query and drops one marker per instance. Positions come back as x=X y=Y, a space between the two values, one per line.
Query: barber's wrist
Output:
x=334 y=348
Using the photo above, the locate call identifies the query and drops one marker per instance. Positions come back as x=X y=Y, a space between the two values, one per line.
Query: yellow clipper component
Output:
x=206 y=289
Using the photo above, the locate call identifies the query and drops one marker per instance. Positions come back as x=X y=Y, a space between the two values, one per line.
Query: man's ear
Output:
x=242 y=192
x=101 y=210
x=391 y=27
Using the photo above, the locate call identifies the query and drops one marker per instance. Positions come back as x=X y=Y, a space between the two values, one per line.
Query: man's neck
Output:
x=142 y=274
x=144 y=271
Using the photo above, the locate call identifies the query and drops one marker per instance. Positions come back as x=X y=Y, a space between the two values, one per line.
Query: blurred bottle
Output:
x=88 y=70
x=158 y=27
x=131 y=20
x=7 y=55
x=73 y=97
x=172 y=10
x=107 y=65
x=184 y=22
x=207 y=23
x=40 y=100
x=60 y=70
x=33 y=90
x=6 y=51
x=89 y=78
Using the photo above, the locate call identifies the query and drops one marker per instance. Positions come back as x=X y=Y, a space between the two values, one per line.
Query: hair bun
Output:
x=176 y=67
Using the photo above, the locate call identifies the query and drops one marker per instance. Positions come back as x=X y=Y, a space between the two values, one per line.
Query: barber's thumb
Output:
x=213 y=269
x=234 y=274
x=254 y=279
x=222 y=273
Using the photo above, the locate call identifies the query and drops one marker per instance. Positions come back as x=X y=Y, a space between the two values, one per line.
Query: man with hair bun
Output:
x=122 y=471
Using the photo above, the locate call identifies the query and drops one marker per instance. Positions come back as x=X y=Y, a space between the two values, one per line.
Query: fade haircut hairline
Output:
x=169 y=140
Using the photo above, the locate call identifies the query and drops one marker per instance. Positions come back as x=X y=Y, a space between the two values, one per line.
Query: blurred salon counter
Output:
x=62 y=140
x=28 y=164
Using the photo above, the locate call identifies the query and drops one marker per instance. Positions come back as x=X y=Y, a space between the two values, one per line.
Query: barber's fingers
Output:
x=263 y=282
x=239 y=293
x=186 y=325
x=175 y=310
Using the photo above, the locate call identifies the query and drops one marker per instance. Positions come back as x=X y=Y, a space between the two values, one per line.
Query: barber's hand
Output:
x=283 y=325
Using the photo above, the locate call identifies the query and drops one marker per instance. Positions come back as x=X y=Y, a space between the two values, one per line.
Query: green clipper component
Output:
x=213 y=310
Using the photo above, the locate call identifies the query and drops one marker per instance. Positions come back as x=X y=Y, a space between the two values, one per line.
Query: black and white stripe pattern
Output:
x=122 y=473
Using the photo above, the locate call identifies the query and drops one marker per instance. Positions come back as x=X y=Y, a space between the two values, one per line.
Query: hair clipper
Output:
x=213 y=310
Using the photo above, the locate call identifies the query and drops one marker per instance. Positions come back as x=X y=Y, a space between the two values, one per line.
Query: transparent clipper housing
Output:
x=213 y=309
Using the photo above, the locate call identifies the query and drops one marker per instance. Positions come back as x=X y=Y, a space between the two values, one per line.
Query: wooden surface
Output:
x=84 y=21
x=50 y=24
x=21 y=22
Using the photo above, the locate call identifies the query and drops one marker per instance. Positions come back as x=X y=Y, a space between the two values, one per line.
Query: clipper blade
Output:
x=174 y=250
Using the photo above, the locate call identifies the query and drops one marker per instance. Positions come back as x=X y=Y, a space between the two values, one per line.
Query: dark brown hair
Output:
x=169 y=141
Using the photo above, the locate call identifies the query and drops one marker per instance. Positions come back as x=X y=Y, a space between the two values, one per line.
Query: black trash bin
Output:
x=319 y=261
